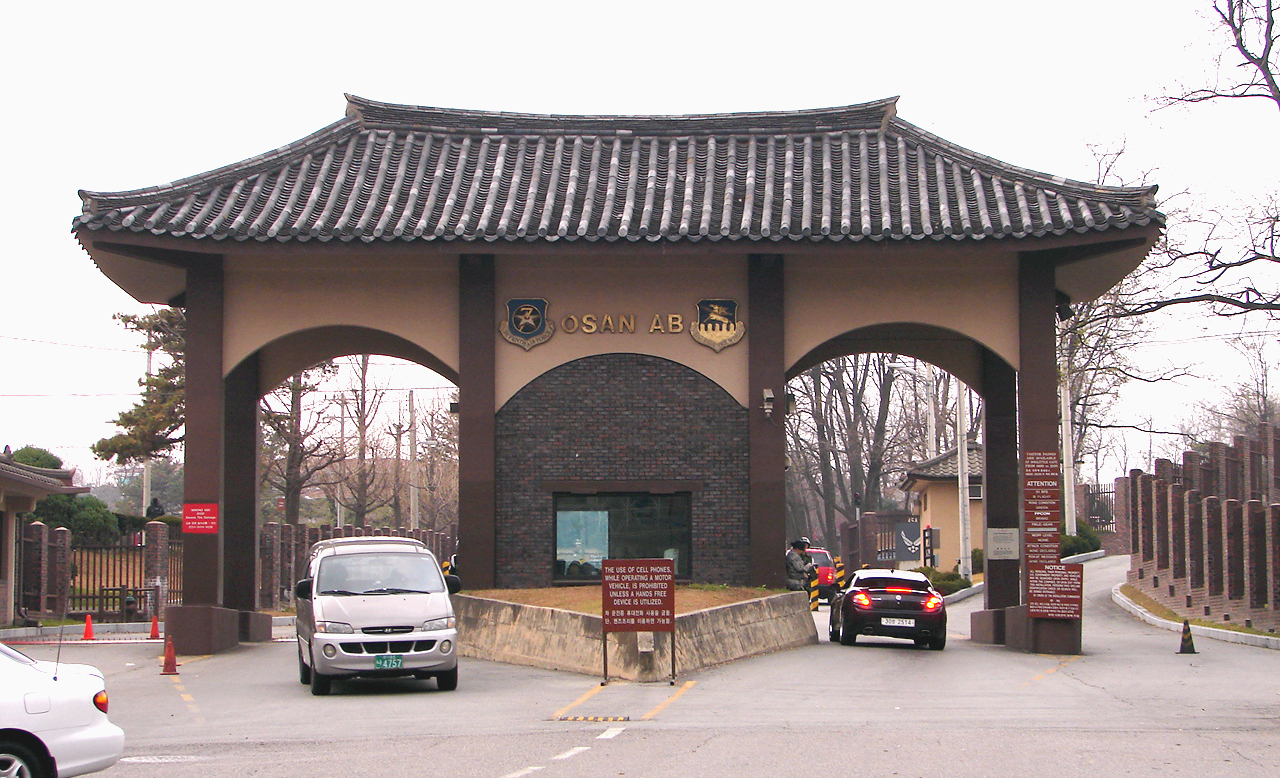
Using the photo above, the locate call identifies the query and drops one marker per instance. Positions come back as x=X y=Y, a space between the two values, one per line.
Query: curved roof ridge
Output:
x=378 y=115
x=1144 y=196
x=95 y=202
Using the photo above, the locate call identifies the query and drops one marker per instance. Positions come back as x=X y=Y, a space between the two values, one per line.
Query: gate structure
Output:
x=620 y=300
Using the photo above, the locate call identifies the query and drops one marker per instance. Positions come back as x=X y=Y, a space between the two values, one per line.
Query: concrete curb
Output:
x=73 y=632
x=1229 y=636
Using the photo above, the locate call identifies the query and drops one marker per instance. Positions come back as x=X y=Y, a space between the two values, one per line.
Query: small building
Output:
x=935 y=483
x=20 y=487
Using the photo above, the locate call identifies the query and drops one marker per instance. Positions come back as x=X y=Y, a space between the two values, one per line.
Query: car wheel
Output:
x=18 y=761
x=938 y=643
x=833 y=634
x=847 y=636
x=448 y=680
x=921 y=642
x=304 y=672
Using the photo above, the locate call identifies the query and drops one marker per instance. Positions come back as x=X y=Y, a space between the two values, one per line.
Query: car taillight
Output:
x=100 y=700
x=899 y=589
x=861 y=600
x=933 y=603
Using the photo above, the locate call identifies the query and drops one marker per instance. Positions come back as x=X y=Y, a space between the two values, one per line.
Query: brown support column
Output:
x=240 y=561
x=1038 y=428
x=477 y=325
x=200 y=625
x=766 y=369
x=1000 y=394
x=202 y=468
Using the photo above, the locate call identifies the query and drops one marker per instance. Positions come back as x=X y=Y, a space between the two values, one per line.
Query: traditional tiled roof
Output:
x=946 y=467
x=402 y=173
x=26 y=478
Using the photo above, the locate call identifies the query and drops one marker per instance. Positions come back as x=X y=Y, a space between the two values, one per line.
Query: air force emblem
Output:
x=718 y=325
x=527 y=324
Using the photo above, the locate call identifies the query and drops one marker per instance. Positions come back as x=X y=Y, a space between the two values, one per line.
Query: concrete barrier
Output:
x=564 y=640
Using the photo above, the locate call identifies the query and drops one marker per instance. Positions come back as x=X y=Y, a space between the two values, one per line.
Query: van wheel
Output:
x=304 y=672
x=447 y=681
x=320 y=684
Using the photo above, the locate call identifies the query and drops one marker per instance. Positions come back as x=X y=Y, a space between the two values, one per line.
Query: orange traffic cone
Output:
x=155 y=628
x=170 y=659
x=1188 y=645
x=88 y=627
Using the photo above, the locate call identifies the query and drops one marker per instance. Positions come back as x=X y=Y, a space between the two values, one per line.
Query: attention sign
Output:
x=638 y=595
x=200 y=518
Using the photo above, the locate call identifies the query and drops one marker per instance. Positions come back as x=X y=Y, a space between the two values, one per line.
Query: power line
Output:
x=72 y=345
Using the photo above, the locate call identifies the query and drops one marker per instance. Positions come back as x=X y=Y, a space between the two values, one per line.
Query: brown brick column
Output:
x=269 y=562
x=60 y=570
x=477 y=328
x=156 y=566
x=240 y=487
x=35 y=568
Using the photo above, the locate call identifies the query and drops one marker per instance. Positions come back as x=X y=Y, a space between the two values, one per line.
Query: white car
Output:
x=53 y=719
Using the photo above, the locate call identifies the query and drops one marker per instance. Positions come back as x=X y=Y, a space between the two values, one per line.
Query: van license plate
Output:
x=388 y=662
x=898 y=622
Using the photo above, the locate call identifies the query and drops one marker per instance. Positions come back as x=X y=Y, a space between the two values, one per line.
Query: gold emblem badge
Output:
x=527 y=324
x=717 y=324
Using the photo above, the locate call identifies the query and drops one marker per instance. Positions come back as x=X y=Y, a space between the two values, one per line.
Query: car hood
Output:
x=383 y=610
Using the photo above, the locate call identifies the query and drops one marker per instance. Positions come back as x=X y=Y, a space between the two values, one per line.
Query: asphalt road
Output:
x=1130 y=705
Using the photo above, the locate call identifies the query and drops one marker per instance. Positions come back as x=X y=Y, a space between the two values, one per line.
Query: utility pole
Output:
x=146 y=462
x=413 y=466
x=962 y=468
x=1068 y=458
x=342 y=464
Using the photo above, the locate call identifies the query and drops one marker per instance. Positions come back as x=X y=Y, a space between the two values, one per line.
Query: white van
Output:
x=375 y=607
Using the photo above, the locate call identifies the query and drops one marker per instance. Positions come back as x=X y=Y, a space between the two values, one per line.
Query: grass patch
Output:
x=586 y=599
x=1168 y=614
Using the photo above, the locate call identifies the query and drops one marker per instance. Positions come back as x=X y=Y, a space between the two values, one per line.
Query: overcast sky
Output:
x=114 y=96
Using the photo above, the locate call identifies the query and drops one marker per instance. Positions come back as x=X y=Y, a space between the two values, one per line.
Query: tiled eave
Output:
x=401 y=173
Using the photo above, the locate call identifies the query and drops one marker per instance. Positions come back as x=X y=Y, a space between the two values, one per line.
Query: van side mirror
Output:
x=453 y=583
x=302 y=591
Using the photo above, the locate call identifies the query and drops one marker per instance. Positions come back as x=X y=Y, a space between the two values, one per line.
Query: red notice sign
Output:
x=200 y=518
x=638 y=595
x=1054 y=591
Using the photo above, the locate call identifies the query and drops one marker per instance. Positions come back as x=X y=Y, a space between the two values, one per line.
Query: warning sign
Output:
x=200 y=518
x=638 y=595
x=1054 y=591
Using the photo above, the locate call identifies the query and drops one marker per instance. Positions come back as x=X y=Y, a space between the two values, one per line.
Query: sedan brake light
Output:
x=100 y=700
x=861 y=600
x=933 y=603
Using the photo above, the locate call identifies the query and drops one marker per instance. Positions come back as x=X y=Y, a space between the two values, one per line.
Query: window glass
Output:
x=593 y=527
x=378 y=573
x=821 y=558
x=891 y=583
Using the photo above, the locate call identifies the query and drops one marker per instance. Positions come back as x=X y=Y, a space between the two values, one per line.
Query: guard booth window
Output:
x=594 y=527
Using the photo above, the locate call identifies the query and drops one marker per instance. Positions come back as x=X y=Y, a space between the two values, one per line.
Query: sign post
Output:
x=637 y=595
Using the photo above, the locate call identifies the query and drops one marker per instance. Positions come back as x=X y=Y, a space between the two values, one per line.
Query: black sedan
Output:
x=889 y=603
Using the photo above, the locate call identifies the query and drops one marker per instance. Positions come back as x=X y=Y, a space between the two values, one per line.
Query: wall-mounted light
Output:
x=767 y=405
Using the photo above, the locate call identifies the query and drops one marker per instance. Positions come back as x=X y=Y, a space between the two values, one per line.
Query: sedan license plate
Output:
x=887 y=622
x=388 y=662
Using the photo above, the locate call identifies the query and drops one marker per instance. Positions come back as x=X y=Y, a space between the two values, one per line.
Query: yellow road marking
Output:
x=668 y=701
x=594 y=691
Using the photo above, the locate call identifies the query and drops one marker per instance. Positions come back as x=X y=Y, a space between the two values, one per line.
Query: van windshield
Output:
x=378 y=573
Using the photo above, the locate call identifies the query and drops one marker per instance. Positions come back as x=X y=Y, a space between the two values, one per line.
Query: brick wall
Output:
x=621 y=417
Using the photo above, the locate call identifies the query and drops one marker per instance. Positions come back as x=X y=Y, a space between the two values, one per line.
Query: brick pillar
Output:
x=35 y=567
x=1233 y=545
x=156 y=566
x=1256 y=581
x=269 y=559
x=288 y=559
x=1195 y=541
x=60 y=570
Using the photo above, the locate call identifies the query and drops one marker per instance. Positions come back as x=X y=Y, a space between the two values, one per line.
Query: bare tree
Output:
x=367 y=483
x=1231 y=264
x=297 y=452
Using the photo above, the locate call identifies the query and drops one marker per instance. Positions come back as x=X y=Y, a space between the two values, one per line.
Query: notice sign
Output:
x=1054 y=591
x=638 y=595
x=200 y=518
x=1042 y=507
